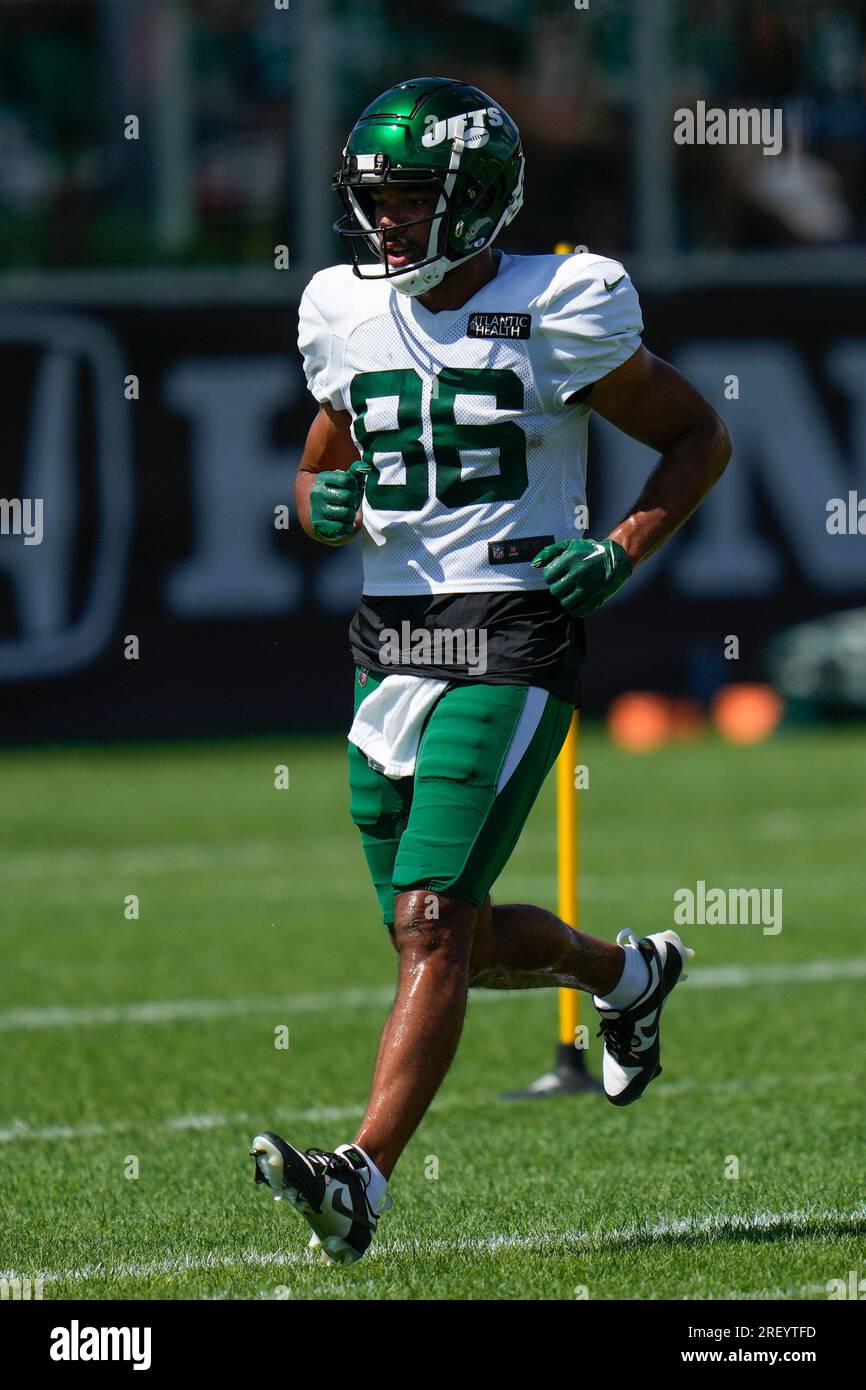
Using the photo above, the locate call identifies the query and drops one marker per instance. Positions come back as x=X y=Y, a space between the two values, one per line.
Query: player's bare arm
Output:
x=649 y=400
x=329 y=448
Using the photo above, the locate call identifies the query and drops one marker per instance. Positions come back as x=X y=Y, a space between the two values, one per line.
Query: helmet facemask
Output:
x=458 y=228
x=360 y=234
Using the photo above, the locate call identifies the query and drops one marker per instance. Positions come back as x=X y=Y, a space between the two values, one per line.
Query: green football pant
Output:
x=483 y=755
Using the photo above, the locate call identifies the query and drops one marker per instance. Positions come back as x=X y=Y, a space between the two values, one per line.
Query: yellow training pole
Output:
x=569 y=1075
x=566 y=836
x=567 y=866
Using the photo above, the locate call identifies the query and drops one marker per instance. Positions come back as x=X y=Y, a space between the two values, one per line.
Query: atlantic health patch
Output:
x=499 y=325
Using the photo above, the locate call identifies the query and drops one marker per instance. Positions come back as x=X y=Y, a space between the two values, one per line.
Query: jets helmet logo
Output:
x=476 y=136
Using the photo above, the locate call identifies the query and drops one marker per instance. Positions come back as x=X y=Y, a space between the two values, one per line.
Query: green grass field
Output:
x=151 y=1041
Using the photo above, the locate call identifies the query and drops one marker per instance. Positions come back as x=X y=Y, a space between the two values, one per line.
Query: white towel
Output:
x=388 y=724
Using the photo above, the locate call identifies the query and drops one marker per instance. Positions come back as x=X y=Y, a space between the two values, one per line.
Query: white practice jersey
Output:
x=479 y=460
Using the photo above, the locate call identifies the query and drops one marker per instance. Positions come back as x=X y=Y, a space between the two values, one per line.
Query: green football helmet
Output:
x=445 y=134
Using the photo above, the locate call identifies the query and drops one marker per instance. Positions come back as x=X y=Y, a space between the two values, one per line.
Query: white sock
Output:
x=632 y=982
x=377 y=1187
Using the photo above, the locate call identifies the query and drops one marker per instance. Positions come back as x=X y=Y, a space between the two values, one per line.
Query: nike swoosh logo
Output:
x=613 y=284
x=645 y=1038
x=339 y=1205
x=356 y=1217
x=599 y=550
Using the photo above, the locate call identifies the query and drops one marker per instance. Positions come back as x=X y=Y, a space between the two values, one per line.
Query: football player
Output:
x=454 y=384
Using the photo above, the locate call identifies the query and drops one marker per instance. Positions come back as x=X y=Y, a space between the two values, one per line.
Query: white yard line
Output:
x=170 y=1010
x=184 y=857
x=809 y=823
x=805 y=972
x=20 y=1131
x=578 y=1241
x=52 y=868
x=739 y=1295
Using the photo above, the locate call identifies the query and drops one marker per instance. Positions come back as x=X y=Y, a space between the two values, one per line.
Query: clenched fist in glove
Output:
x=334 y=501
x=583 y=574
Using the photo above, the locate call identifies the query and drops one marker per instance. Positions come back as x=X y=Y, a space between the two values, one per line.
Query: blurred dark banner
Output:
x=159 y=515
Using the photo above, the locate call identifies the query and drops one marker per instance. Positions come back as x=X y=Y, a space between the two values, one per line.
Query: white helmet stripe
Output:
x=457 y=148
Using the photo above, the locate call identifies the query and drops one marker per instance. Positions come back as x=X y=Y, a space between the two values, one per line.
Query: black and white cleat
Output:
x=328 y=1189
x=632 y=1047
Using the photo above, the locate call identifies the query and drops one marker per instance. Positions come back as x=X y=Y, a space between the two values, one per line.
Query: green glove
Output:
x=583 y=574
x=334 y=500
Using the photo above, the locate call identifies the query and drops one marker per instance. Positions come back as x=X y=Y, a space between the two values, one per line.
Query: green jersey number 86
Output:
x=452 y=489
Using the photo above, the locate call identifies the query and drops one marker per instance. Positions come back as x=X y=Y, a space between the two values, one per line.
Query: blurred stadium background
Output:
x=155 y=256
x=156 y=892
